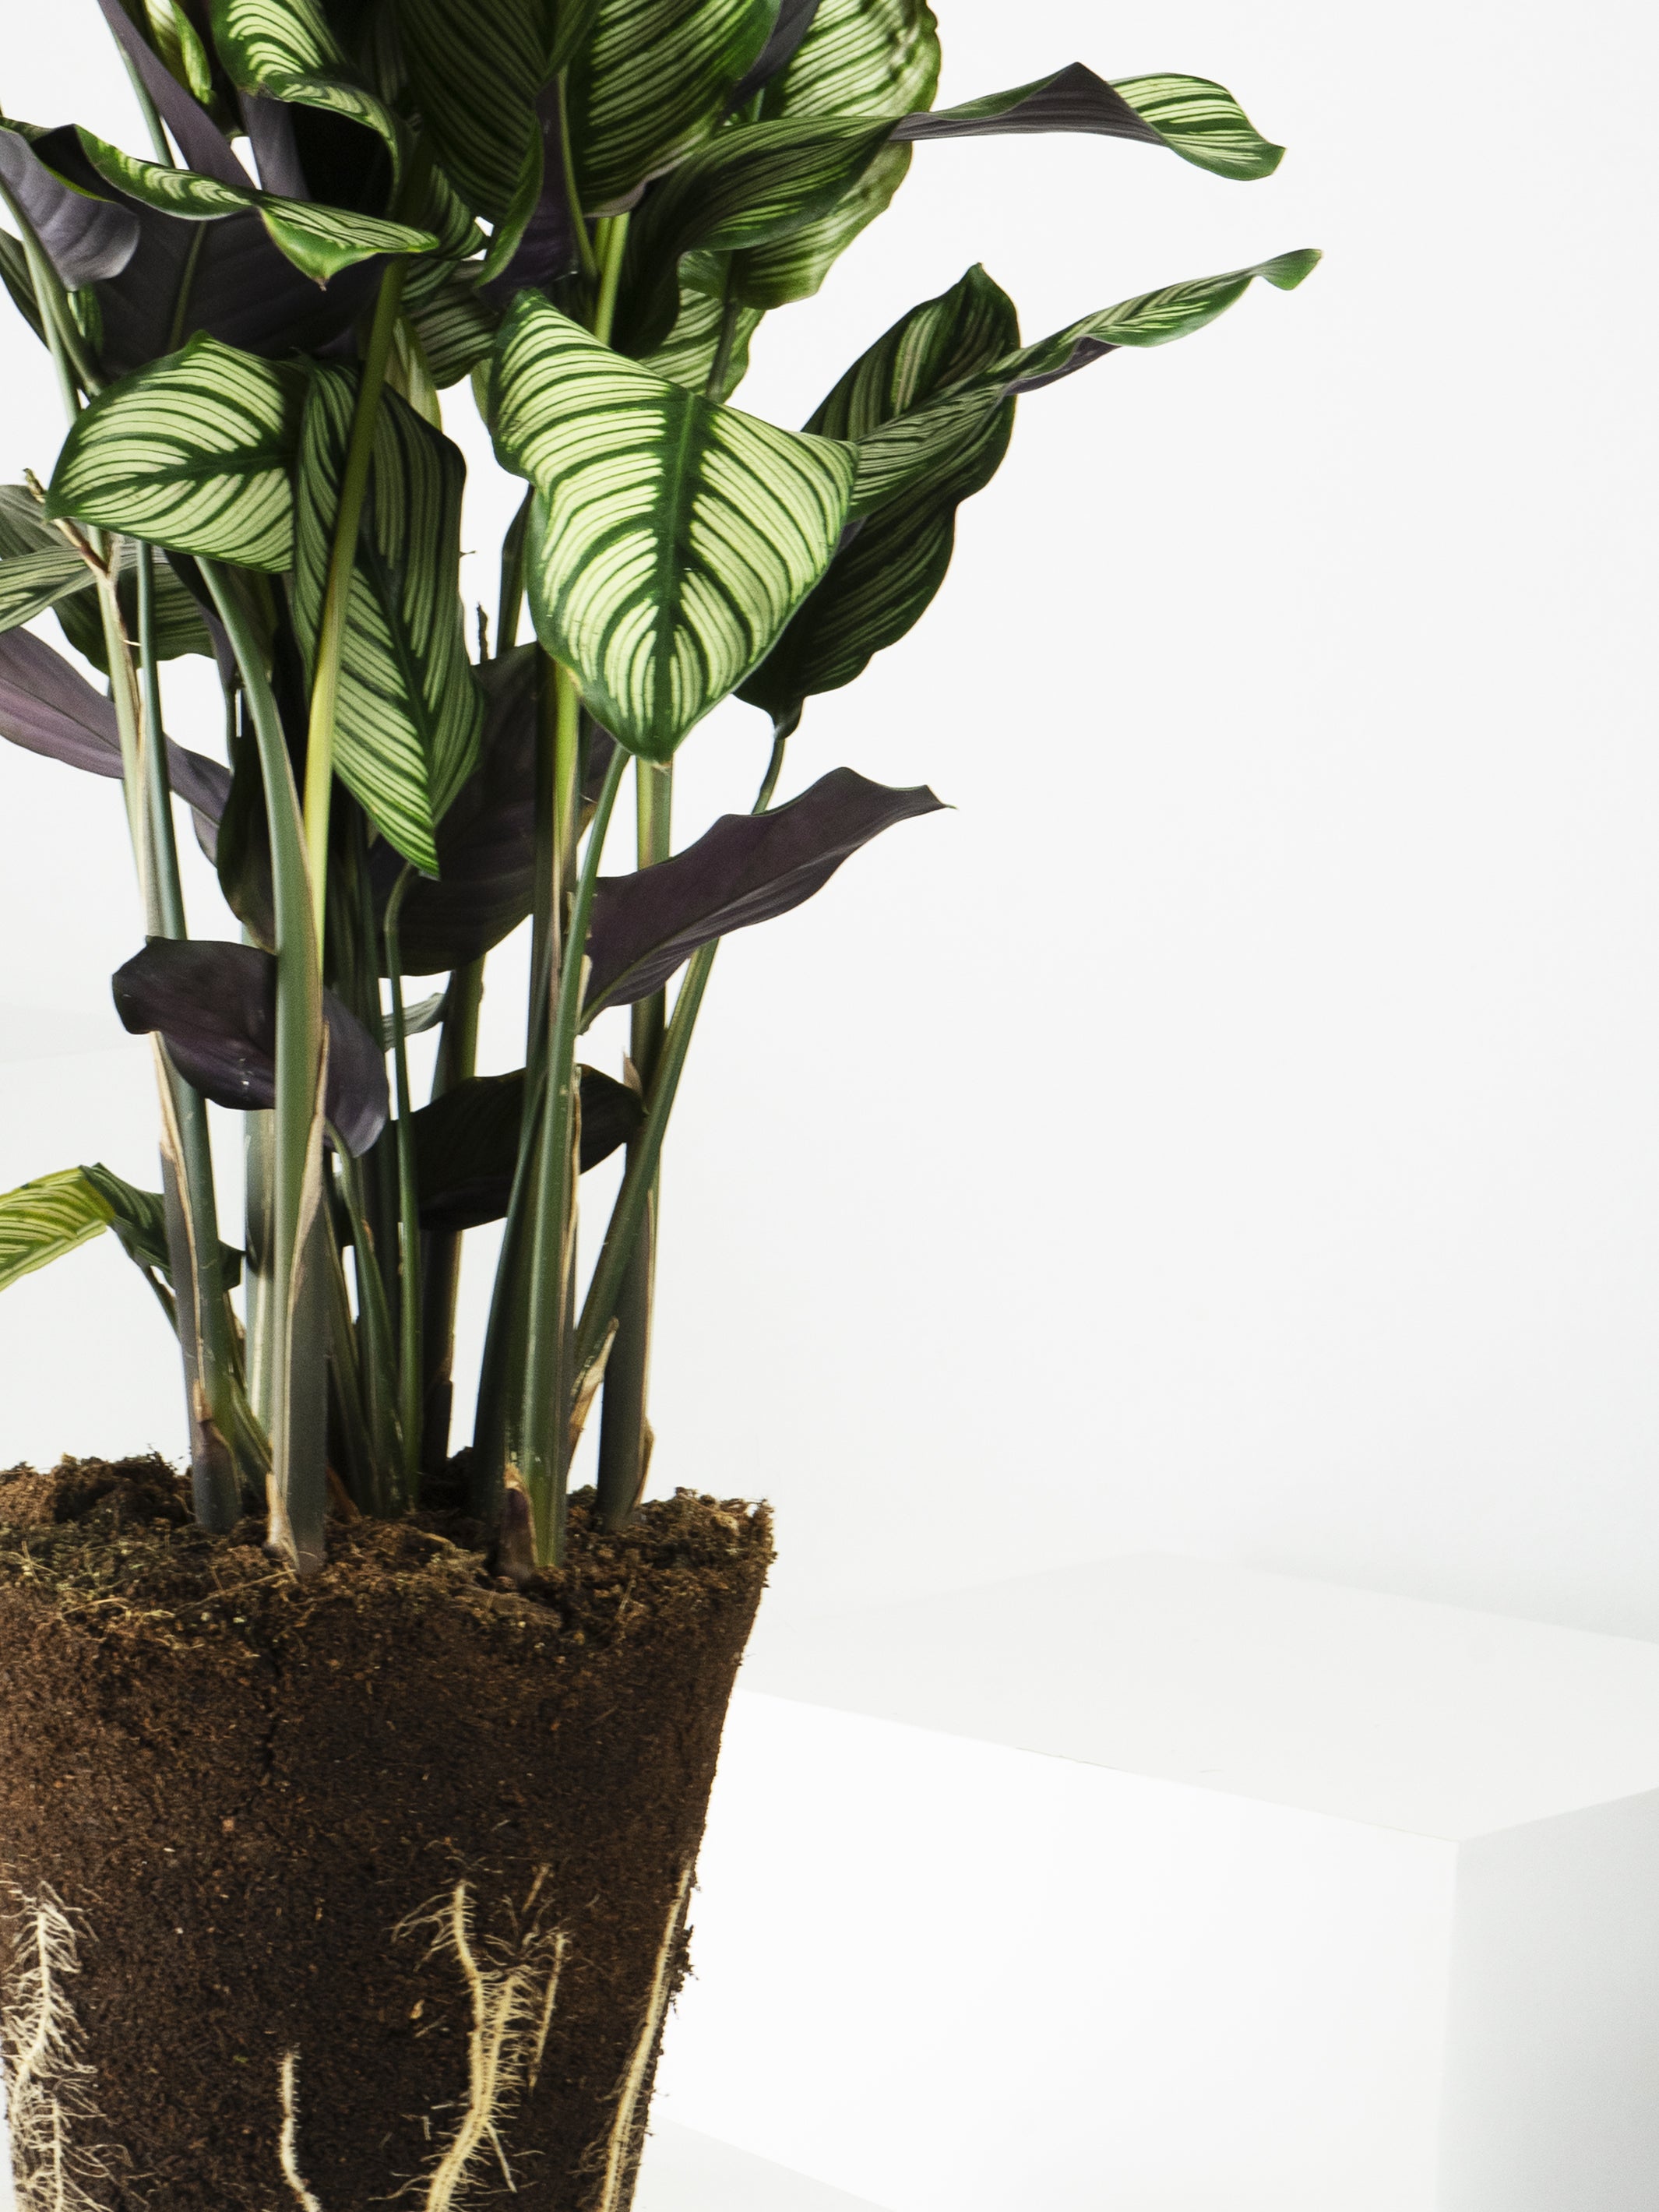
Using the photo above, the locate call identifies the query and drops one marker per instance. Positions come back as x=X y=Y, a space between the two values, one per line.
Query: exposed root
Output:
x=513 y=1990
x=48 y=2084
x=288 y=2141
x=639 y=2065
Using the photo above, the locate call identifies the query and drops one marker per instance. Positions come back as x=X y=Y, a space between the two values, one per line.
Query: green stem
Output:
x=378 y=1364
x=409 y=1207
x=64 y=340
x=628 y=1216
x=578 y=220
x=722 y=360
x=147 y=109
x=336 y=595
x=546 y=1415
x=511 y=586
x=299 y=1439
x=610 y=268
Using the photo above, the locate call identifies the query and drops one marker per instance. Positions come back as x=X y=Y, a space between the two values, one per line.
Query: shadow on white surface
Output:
x=684 y=2171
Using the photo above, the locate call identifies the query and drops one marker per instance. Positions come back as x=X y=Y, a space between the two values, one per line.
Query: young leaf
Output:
x=535 y=243
x=652 y=83
x=743 y=869
x=885 y=576
x=48 y=707
x=84 y=238
x=42 y=1220
x=285 y=49
x=1200 y=121
x=859 y=57
x=320 y=241
x=466 y=1142
x=194 y=453
x=215 y=1005
x=407 y=723
x=672 y=538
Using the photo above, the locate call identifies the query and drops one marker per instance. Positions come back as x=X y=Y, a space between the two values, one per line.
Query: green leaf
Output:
x=931 y=405
x=477 y=66
x=320 y=241
x=1200 y=121
x=180 y=628
x=883 y=579
x=651 y=84
x=672 y=538
x=37 y=565
x=175 y=39
x=42 y=1220
x=687 y=355
x=286 y=50
x=860 y=57
x=409 y=713
x=140 y=1221
x=455 y=328
x=193 y=452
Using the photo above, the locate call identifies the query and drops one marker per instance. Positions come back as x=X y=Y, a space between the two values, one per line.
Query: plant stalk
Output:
x=441 y=1267
x=409 y=1375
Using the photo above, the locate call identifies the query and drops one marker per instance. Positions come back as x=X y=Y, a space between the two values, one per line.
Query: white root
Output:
x=47 y=2082
x=622 y=2130
x=288 y=2143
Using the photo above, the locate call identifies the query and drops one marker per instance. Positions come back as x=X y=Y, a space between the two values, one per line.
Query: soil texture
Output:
x=414 y=1841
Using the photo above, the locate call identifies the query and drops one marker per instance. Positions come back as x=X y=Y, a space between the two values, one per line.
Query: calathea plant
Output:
x=574 y=215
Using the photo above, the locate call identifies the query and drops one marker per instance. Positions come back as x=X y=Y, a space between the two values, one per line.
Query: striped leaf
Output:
x=31 y=582
x=409 y=714
x=652 y=84
x=139 y=1220
x=42 y=1220
x=286 y=50
x=859 y=57
x=477 y=67
x=931 y=406
x=176 y=40
x=884 y=578
x=456 y=330
x=1200 y=121
x=687 y=355
x=319 y=240
x=193 y=453
x=180 y=628
x=672 y=538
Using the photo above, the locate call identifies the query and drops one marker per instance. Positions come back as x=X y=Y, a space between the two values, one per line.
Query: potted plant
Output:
x=350 y=1789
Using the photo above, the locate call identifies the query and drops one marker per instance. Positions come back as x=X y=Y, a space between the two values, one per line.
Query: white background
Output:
x=1234 y=1128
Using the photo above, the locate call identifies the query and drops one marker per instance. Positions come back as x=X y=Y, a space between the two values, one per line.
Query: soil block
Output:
x=373 y=1884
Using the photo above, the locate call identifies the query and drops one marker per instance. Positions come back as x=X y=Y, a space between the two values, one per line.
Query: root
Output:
x=288 y=2141
x=513 y=1990
x=48 y=2084
x=639 y=2065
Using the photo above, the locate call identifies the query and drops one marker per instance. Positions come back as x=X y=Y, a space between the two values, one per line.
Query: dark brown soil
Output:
x=245 y=1787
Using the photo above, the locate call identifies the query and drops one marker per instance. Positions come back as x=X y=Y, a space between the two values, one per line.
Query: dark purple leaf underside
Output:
x=198 y=137
x=215 y=1005
x=84 y=239
x=745 y=868
x=48 y=707
x=547 y=250
x=466 y=1143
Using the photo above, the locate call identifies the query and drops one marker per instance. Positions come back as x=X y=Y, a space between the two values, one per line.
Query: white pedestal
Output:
x=1160 y=1886
x=683 y=2171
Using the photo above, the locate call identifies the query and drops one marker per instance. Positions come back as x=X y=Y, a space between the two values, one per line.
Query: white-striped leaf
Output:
x=860 y=57
x=455 y=328
x=319 y=240
x=652 y=84
x=176 y=39
x=42 y=1220
x=193 y=453
x=479 y=66
x=1200 y=121
x=931 y=407
x=687 y=355
x=31 y=582
x=672 y=538
x=286 y=50
x=409 y=713
x=883 y=579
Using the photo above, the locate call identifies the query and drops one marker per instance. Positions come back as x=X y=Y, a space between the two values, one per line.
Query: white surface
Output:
x=1152 y=1967
x=1231 y=1131
x=684 y=2171
x=1378 y=1709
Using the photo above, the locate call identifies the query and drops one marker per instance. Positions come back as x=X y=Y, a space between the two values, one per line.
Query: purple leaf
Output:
x=1073 y=99
x=744 y=869
x=275 y=151
x=198 y=136
x=85 y=239
x=466 y=1142
x=48 y=707
x=215 y=1005
x=487 y=840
